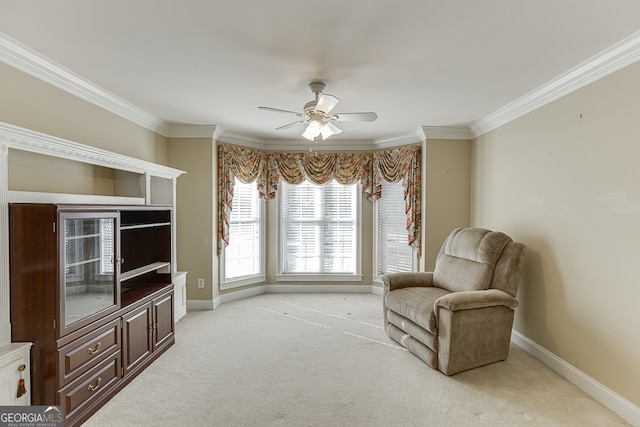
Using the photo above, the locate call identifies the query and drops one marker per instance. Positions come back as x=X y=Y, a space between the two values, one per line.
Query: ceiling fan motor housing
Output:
x=317 y=87
x=310 y=106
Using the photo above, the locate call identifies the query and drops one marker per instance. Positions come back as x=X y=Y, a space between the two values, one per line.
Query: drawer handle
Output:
x=93 y=387
x=95 y=349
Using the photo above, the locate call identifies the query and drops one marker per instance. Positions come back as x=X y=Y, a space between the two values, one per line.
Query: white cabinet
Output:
x=12 y=357
x=180 y=294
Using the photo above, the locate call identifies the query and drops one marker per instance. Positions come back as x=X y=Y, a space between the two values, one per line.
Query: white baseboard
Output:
x=294 y=289
x=242 y=294
x=199 y=305
x=616 y=403
x=318 y=289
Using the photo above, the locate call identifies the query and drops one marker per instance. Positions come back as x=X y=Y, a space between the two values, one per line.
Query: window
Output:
x=88 y=241
x=106 y=246
x=243 y=260
x=319 y=231
x=393 y=253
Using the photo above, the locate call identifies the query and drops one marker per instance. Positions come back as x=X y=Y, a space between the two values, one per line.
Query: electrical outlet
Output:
x=201 y=283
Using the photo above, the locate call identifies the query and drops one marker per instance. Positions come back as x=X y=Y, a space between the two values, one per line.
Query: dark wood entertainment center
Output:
x=91 y=288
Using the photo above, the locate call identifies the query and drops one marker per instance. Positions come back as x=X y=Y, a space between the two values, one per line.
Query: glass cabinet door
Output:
x=89 y=276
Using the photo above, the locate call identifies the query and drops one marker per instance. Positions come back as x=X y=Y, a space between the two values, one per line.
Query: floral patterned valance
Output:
x=319 y=168
x=268 y=168
x=402 y=164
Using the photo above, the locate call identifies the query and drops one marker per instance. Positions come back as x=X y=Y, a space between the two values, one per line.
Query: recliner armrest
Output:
x=394 y=281
x=467 y=300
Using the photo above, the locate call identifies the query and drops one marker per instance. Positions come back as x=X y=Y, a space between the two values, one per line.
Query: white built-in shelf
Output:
x=135 y=182
x=136 y=226
x=62 y=198
x=143 y=270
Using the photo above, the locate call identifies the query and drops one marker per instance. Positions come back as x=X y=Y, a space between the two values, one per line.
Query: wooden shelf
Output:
x=142 y=270
x=140 y=291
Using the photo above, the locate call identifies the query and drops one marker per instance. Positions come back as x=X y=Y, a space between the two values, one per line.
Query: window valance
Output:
x=397 y=164
x=369 y=168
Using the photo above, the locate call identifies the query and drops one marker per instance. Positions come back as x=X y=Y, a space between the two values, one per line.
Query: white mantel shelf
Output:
x=27 y=140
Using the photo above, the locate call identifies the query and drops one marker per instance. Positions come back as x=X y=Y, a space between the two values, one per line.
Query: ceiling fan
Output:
x=317 y=116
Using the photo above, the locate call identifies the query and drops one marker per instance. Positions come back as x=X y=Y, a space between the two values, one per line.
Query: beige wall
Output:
x=34 y=172
x=195 y=213
x=564 y=180
x=33 y=104
x=447 y=202
x=36 y=105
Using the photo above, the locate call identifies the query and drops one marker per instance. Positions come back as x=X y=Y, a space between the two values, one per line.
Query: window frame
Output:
x=356 y=276
x=251 y=279
x=376 y=241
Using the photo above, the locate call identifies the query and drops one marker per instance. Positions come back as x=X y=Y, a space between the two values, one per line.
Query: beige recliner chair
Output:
x=460 y=315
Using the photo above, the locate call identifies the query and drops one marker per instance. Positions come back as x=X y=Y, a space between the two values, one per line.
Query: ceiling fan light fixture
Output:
x=325 y=131
x=328 y=129
x=312 y=130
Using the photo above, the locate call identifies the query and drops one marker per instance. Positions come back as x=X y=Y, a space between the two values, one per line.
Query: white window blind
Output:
x=393 y=251
x=243 y=255
x=106 y=246
x=319 y=228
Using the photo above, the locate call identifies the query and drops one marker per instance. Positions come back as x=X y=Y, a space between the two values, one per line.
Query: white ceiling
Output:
x=416 y=63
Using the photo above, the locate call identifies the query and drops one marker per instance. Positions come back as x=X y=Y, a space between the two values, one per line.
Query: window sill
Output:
x=295 y=277
x=246 y=281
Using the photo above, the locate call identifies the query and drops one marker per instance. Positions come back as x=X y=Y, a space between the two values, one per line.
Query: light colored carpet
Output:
x=324 y=360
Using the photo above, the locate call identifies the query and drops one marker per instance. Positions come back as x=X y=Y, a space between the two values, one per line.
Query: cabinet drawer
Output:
x=79 y=395
x=83 y=353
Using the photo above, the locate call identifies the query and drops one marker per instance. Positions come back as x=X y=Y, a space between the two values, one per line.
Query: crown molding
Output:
x=410 y=138
x=289 y=144
x=296 y=145
x=612 y=59
x=31 y=62
x=23 y=58
x=192 y=131
x=28 y=140
x=447 y=132
x=237 y=139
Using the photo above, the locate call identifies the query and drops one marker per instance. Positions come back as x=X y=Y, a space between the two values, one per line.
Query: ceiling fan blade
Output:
x=326 y=103
x=290 y=125
x=354 y=117
x=278 y=110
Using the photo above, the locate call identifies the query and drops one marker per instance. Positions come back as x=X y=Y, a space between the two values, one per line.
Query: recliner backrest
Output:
x=467 y=259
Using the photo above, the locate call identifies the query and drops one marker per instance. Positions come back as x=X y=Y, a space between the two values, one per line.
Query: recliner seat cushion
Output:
x=416 y=304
